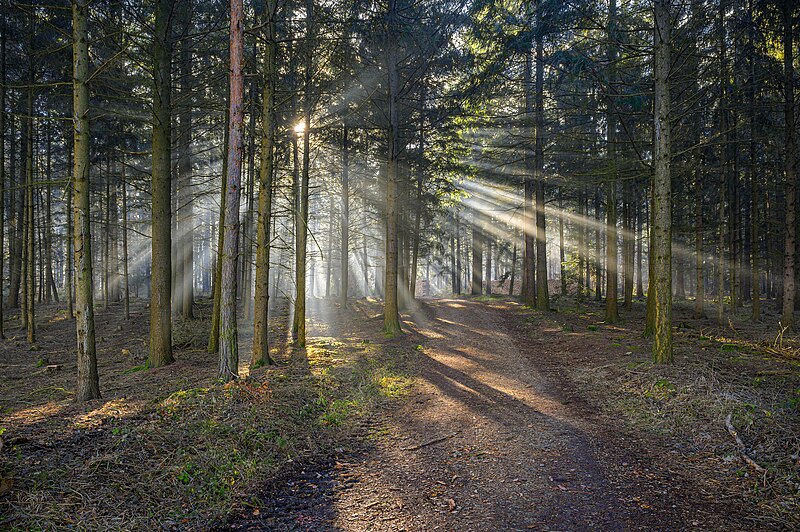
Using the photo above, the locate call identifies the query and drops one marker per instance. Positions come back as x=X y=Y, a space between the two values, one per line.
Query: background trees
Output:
x=396 y=150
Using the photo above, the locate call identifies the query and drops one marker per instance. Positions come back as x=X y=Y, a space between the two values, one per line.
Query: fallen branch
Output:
x=740 y=444
x=429 y=442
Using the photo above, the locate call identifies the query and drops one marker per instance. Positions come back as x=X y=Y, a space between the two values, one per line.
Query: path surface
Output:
x=493 y=439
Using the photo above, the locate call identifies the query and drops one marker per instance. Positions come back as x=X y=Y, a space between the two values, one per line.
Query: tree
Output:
x=661 y=239
x=161 y=277
x=391 y=312
x=261 y=354
x=228 y=333
x=790 y=246
x=88 y=382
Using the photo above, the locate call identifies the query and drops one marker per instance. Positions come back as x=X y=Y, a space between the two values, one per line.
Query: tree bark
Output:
x=161 y=269
x=391 y=314
x=185 y=200
x=787 y=317
x=261 y=354
x=228 y=333
x=662 y=190
x=88 y=385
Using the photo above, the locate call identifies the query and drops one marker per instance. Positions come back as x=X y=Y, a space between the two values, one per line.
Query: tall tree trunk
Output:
x=345 y=220
x=751 y=170
x=598 y=256
x=2 y=167
x=723 y=164
x=69 y=275
x=50 y=283
x=561 y=249
x=513 y=270
x=528 y=292
x=477 y=259
x=699 y=261
x=488 y=240
x=612 y=277
x=125 y=275
x=662 y=190
x=246 y=273
x=161 y=269
x=30 y=220
x=301 y=218
x=261 y=354
x=542 y=288
x=213 y=336
x=185 y=266
x=787 y=317
x=88 y=386
x=391 y=314
x=228 y=333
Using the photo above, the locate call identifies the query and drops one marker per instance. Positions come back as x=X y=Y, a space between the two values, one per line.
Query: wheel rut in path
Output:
x=490 y=439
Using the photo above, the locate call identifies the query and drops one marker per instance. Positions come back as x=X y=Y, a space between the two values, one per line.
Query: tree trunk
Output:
x=125 y=275
x=3 y=169
x=751 y=170
x=261 y=354
x=528 y=292
x=662 y=190
x=161 y=269
x=542 y=288
x=185 y=214
x=88 y=386
x=391 y=315
x=213 y=336
x=787 y=317
x=228 y=333
x=30 y=220
x=345 y=220
x=477 y=260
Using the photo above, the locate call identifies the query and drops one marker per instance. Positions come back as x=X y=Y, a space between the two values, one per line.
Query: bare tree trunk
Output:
x=50 y=283
x=30 y=220
x=513 y=270
x=488 y=240
x=723 y=164
x=528 y=292
x=700 y=293
x=477 y=259
x=185 y=200
x=69 y=275
x=787 y=317
x=161 y=269
x=228 y=333
x=542 y=288
x=2 y=166
x=662 y=190
x=345 y=220
x=213 y=337
x=612 y=260
x=391 y=314
x=88 y=386
x=751 y=170
x=301 y=214
x=125 y=275
x=261 y=354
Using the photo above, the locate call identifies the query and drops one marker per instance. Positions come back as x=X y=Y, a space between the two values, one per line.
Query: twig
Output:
x=740 y=444
x=429 y=442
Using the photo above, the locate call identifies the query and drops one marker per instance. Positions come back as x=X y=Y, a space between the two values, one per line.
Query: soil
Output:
x=516 y=420
x=496 y=436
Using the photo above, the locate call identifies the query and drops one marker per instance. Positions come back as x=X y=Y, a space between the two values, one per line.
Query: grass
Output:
x=186 y=458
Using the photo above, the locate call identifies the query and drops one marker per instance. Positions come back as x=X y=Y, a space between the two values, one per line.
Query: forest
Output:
x=399 y=265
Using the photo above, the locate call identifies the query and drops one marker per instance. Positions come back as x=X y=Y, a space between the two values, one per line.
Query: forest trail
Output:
x=491 y=438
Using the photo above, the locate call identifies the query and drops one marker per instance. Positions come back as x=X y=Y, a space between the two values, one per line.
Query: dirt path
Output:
x=492 y=438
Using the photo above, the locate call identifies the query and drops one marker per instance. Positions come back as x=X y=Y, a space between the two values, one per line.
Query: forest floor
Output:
x=484 y=415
